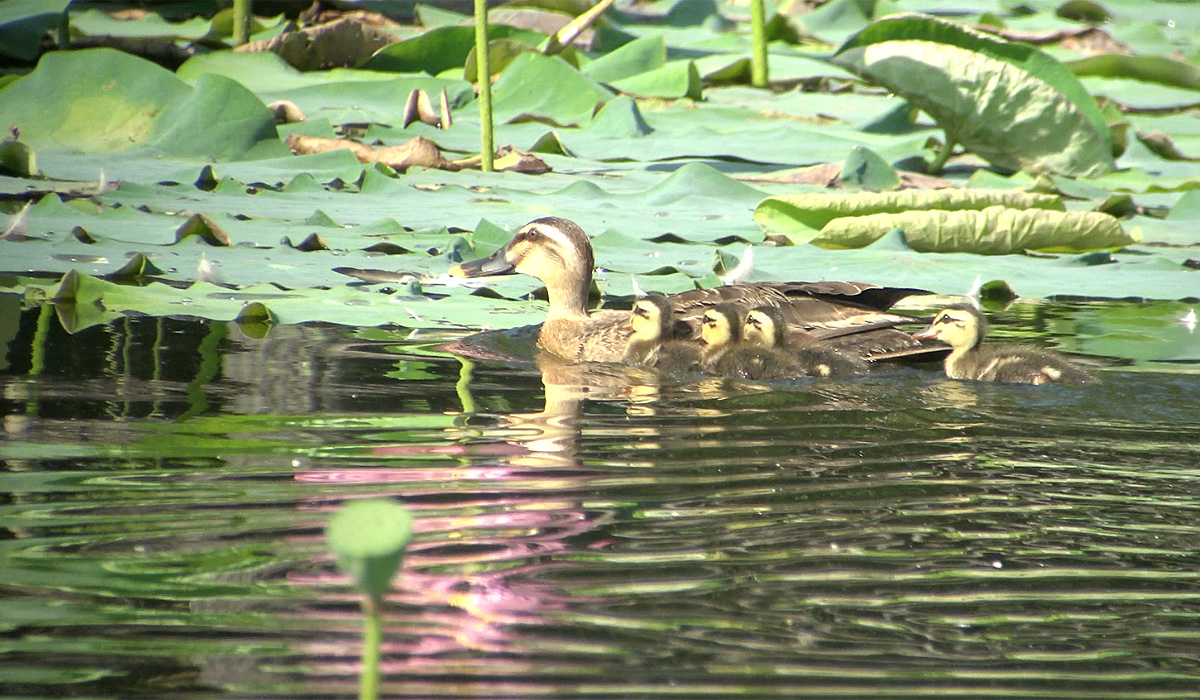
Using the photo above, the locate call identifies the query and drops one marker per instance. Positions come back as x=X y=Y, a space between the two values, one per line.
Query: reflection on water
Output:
x=592 y=530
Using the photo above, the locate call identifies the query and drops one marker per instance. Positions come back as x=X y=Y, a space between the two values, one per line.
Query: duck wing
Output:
x=602 y=336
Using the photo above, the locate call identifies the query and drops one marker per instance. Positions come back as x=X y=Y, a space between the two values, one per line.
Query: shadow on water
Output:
x=592 y=531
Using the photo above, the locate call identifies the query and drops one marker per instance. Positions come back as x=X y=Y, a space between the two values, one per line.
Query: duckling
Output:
x=559 y=253
x=652 y=343
x=724 y=354
x=963 y=327
x=765 y=328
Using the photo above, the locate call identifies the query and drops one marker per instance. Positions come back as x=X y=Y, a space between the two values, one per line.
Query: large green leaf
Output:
x=1010 y=103
x=801 y=216
x=106 y=101
x=992 y=231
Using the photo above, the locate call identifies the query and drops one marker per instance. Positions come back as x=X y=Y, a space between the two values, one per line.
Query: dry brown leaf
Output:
x=508 y=159
x=342 y=43
x=418 y=151
x=286 y=112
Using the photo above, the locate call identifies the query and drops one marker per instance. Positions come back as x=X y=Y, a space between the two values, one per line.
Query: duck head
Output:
x=651 y=318
x=720 y=326
x=551 y=249
x=764 y=326
x=962 y=326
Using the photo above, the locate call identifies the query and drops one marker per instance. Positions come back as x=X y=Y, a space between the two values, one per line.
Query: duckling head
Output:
x=960 y=325
x=651 y=318
x=764 y=326
x=720 y=326
x=551 y=249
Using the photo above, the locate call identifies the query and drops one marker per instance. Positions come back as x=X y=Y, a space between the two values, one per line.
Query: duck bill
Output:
x=929 y=333
x=494 y=264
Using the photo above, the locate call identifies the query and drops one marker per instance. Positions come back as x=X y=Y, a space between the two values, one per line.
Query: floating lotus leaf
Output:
x=992 y=231
x=800 y=216
x=105 y=101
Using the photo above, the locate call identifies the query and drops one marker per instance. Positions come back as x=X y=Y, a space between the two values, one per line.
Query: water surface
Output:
x=583 y=532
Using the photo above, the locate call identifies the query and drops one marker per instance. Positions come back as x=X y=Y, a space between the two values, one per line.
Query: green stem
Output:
x=368 y=682
x=943 y=155
x=463 y=386
x=37 y=358
x=483 y=74
x=241 y=21
x=210 y=367
x=758 y=61
x=41 y=335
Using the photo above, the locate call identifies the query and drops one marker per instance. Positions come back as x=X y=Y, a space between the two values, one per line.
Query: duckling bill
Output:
x=559 y=253
x=963 y=327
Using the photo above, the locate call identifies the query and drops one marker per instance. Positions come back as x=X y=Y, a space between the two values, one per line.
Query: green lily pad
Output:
x=95 y=22
x=105 y=101
x=864 y=169
x=799 y=216
x=991 y=231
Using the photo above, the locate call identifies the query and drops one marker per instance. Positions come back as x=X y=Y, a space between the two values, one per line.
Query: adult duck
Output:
x=963 y=327
x=852 y=315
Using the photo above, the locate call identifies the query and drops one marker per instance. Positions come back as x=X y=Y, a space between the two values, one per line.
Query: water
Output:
x=588 y=533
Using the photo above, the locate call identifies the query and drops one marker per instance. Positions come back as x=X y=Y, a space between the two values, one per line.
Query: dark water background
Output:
x=164 y=485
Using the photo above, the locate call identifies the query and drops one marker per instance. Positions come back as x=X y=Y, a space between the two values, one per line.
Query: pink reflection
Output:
x=482 y=566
